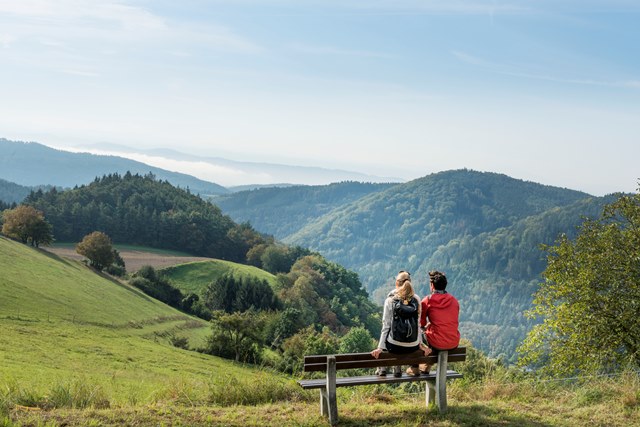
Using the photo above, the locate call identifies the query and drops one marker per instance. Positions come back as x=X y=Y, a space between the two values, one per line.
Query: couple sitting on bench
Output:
x=436 y=315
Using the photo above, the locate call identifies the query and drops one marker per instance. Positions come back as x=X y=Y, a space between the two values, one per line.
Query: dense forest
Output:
x=14 y=193
x=482 y=229
x=283 y=211
x=141 y=210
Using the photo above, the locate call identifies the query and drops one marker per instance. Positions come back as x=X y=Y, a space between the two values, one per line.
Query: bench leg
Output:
x=332 y=404
x=441 y=382
x=430 y=397
x=324 y=404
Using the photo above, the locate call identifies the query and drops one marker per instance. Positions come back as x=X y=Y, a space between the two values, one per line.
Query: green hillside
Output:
x=37 y=285
x=193 y=277
x=403 y=225
x=69 y=333
x=482 y=229
x=281 y=211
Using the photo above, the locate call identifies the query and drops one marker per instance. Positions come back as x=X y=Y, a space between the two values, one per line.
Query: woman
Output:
x=400 y=332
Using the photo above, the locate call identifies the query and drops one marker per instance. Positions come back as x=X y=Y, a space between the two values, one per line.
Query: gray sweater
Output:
x=386 y=334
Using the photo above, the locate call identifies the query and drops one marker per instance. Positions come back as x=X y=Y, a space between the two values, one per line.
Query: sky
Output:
x=541 y=90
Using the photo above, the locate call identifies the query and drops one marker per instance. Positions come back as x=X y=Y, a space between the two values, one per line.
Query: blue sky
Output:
x=547 y=91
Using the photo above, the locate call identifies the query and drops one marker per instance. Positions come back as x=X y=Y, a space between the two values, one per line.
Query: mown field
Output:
x=133 y=256
x=195 y=276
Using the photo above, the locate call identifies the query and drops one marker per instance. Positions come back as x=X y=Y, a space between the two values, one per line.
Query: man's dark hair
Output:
x=439 y=280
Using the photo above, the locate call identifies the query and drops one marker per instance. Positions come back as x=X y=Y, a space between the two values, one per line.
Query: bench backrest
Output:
x=365 y=360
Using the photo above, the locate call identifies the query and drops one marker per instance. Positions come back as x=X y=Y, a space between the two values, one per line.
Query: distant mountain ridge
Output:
x=282 y=211
x=245 y=173
x=33 y=164
x=11 y=192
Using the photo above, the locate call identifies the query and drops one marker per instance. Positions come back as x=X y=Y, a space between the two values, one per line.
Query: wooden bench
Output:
x=436 y=389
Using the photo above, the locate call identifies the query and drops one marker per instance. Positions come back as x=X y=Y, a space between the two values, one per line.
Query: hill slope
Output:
x=12 y=193
x=482 y=229
x=405 y=223
x=194 y=277
x=33 y=164
x=67 y=331
x=281 y=211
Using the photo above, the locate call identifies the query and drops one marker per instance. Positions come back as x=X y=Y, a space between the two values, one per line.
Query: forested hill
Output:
x=11 y=192
x=483 y=229
x=33 y=164
x=144 y=211
x=281 y=211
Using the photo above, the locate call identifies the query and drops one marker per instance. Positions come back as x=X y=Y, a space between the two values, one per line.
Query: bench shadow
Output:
x=474 y=415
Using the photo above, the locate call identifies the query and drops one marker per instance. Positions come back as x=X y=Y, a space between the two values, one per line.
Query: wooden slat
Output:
x=318 y=363
x=373 y=379
x=322 y=358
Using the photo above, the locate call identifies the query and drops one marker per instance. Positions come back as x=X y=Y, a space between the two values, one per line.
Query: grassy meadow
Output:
x=195 y=276
x=73 y=338
x=82 y=349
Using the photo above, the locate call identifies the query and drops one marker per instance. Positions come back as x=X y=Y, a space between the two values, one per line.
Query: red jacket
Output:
x=442 y=311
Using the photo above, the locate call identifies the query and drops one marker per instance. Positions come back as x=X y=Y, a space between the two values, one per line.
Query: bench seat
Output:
x=373 y=379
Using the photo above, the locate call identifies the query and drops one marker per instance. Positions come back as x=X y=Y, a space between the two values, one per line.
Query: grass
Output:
x=80 y=349
x=40 y=286
x=72 y=338
x=196 y=276
x=523 y=404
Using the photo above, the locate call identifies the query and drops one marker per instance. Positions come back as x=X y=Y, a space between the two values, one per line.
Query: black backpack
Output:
x=404 y=325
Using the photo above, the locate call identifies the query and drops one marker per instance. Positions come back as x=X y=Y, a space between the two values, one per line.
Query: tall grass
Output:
x=75 y=394
x=224 y=389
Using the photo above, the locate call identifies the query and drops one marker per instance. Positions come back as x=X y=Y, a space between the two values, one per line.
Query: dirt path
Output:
x=133 y=259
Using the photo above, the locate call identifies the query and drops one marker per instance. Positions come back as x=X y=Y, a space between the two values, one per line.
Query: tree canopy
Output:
x=98 y=249
x=28 y=225
x=141 y=210
x=590 y=299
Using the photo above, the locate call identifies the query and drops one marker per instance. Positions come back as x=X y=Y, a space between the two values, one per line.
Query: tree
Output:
x=231 y=294
x=590 y=299
x=97 y=248
x=236 y=335
x=357 y=340
x=153 y=284
x=28 y=225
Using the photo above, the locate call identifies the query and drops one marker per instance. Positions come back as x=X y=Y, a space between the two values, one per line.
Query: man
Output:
x=439 y=317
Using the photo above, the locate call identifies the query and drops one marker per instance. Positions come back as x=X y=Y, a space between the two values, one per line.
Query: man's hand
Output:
x=375 y=353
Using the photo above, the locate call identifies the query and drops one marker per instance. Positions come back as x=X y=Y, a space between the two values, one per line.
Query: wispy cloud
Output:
x=519 y=71
x=335 y=51
x=82 y=10
x=77 y=21
x=399 y=6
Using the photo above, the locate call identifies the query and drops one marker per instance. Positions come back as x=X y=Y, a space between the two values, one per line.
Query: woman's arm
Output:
x=386 y=323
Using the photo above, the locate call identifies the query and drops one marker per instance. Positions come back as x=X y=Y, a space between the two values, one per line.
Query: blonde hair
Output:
x=405 y=290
